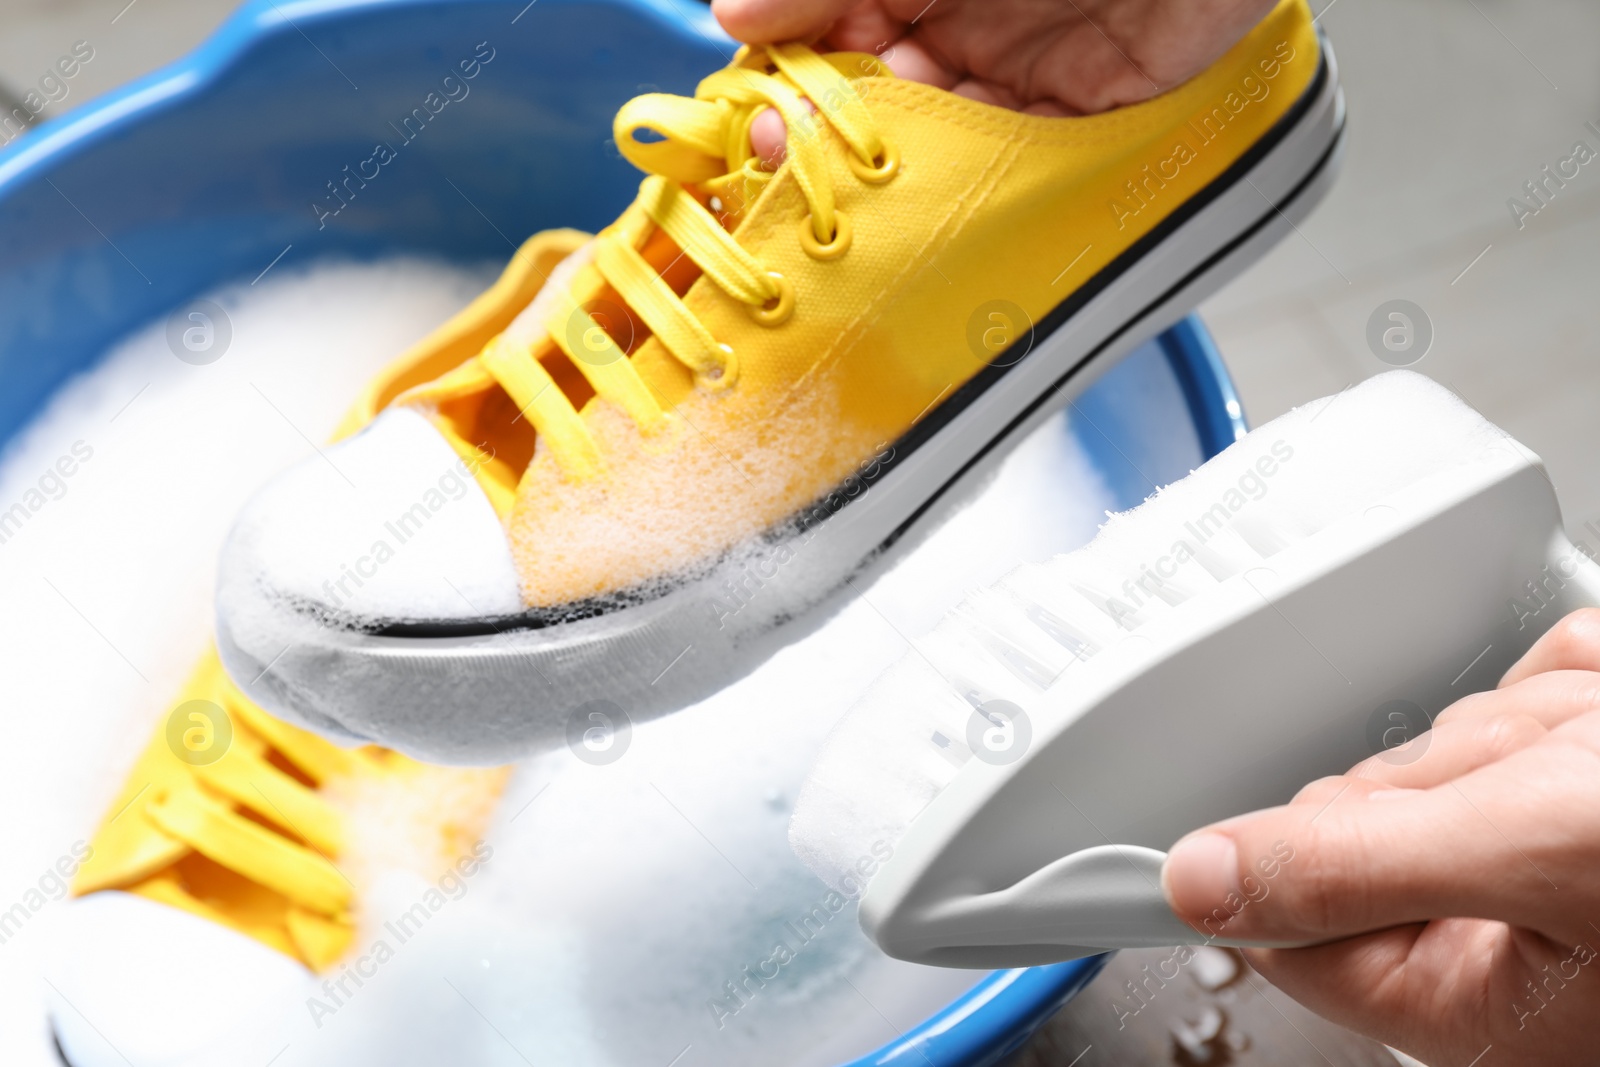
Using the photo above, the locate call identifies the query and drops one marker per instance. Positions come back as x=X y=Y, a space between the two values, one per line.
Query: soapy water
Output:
x=107 y=580
x=617 y=912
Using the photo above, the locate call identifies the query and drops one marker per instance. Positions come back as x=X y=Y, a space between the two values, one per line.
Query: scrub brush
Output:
x=1311 y=596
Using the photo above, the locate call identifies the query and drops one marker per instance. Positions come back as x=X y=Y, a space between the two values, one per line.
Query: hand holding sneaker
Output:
x=1057 y=57
x=1041 y=59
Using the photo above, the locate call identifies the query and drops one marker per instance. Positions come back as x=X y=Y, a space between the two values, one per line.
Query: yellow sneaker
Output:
x=749 y=387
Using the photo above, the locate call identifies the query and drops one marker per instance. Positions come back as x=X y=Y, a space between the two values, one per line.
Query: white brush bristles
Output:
x=1281 y=484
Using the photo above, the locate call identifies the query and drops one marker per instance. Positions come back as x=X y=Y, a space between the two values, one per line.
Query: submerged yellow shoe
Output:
x=227 y=878
x=749 y=387
x=236 y=817
x=225 y=873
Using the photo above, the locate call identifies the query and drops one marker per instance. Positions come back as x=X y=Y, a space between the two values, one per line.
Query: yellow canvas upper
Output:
x=656 y=422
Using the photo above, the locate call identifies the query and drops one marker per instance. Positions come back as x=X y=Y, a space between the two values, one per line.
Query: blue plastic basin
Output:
x=221 y=164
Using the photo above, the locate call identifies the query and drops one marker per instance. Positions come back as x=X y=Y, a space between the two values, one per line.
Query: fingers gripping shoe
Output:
x=750 y=387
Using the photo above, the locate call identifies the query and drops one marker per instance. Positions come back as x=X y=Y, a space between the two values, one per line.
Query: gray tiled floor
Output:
x=1454 y=104
x=128 y=40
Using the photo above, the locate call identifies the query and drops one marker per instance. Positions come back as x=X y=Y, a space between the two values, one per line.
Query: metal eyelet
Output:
x=876 y=173
x=723 y=375
x=776 y=311
x=834 y=248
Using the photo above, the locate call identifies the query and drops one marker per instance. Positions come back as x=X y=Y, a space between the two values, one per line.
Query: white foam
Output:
x=619 y=899
x=107 y=589
x=1284 y=481
x=686 y=875
x=391 y=525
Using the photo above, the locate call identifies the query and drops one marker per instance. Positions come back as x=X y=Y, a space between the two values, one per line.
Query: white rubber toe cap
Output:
x=133 y=981
x=386 y=526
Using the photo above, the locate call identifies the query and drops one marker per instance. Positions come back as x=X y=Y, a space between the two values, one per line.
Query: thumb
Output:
x=1305 y=873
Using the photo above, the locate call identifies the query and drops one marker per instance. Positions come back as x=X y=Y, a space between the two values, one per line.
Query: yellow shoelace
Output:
x=254 y=811
x=700 y=138
x=302 y=873
x=251 y=840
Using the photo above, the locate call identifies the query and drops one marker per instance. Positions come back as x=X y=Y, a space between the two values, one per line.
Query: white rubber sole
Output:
x=521 y=685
